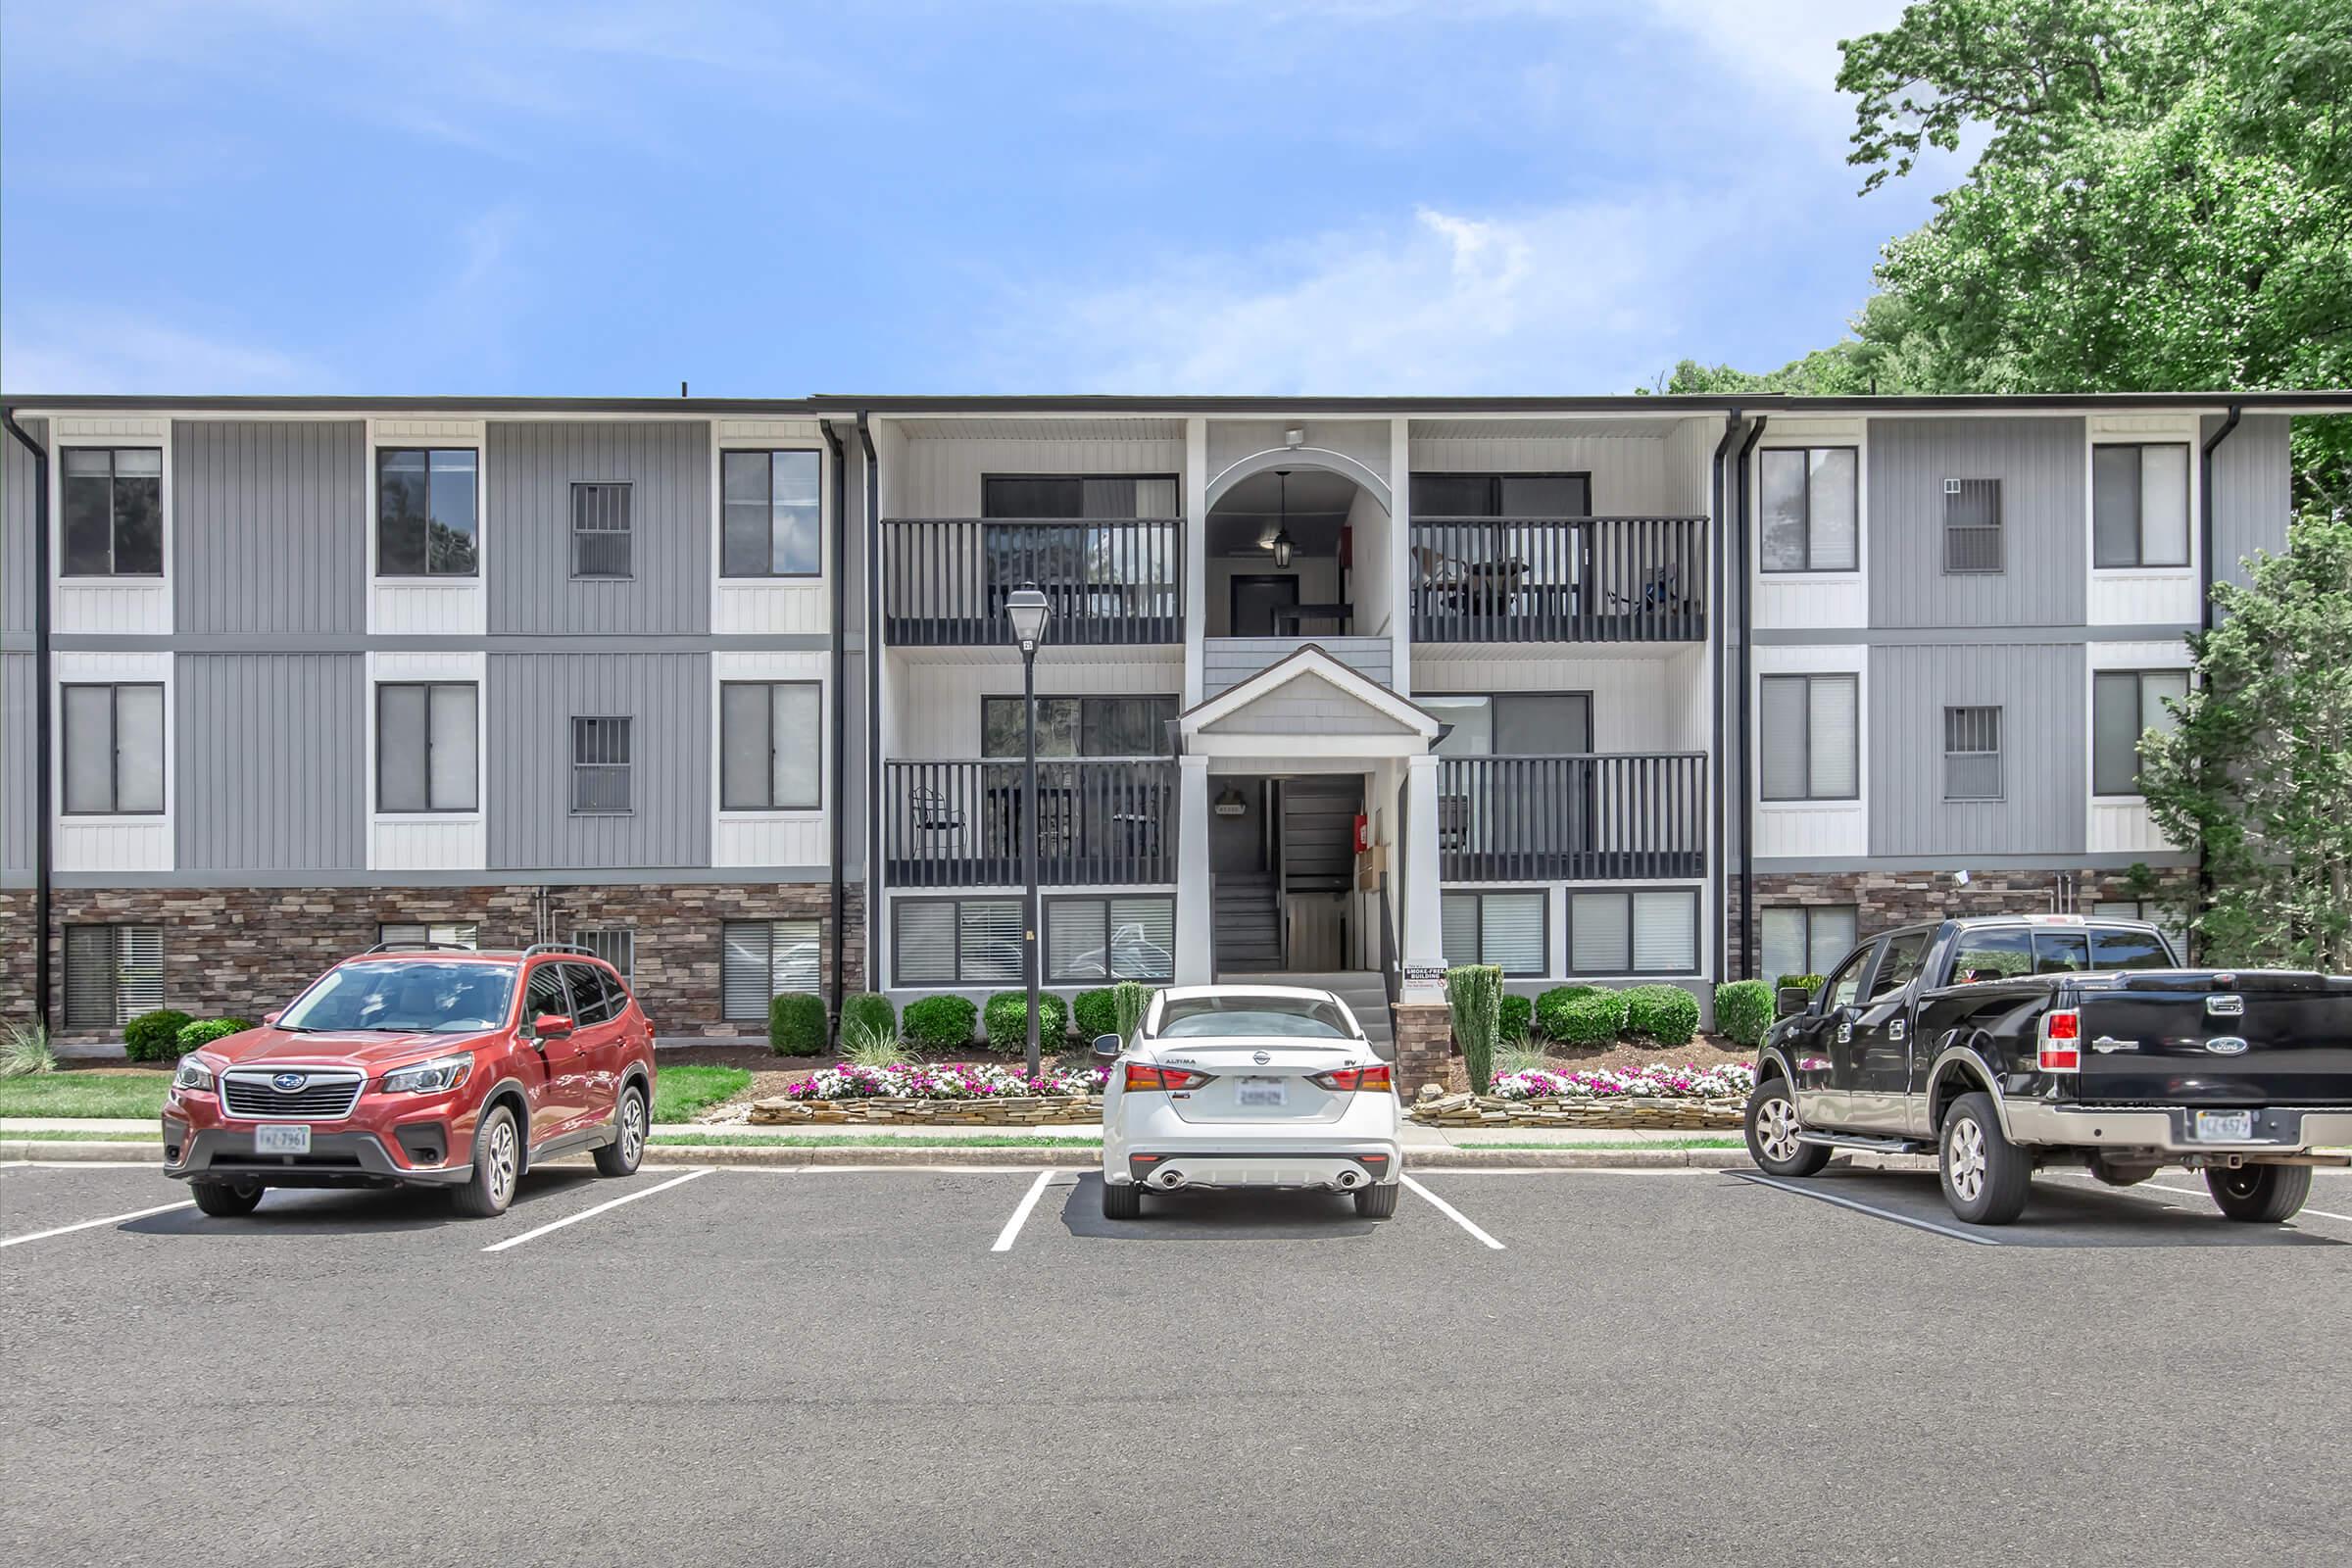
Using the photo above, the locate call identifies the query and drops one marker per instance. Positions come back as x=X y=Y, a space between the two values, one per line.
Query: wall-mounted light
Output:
x=1230 y=803
x=1295 y=436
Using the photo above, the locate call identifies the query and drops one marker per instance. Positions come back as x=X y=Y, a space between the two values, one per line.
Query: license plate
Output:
x=2225 y=1126
x=294 y=1140
x=1261 y=1092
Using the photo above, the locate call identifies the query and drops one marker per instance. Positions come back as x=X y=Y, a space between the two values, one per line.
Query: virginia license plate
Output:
x=2223 y=1126
x=1265 y=1093
x=295 y=1139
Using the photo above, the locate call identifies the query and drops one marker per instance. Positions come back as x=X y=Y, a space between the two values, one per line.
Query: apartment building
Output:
x=1601 y=688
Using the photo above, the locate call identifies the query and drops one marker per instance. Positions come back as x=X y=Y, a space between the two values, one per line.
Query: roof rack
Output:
x=419 y=945
x=561 y=947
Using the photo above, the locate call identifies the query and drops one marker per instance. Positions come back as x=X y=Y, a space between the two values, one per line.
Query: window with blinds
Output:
x=114 y=749
x=1503 y=929
x=464 y=934
x=2140 y=504
x=601 y=516
x=426 y=745
x=1972 y=753
x=761 y=960
x=956 y=942
x=1809 y=737
x=1653 y=931
x=113 y=974
x=1096 y=940
x=615 y=945
x=2125 y=705
x=1971 y=526
x=771 y=746
x=600 y=766
x=1806 y=939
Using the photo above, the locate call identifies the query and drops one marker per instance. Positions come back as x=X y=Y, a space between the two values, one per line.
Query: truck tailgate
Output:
x=2259 y=1036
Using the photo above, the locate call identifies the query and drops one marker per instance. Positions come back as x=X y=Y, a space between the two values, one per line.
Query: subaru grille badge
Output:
x=285 y=1083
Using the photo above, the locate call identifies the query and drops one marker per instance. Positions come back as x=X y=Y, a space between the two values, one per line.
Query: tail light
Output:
x=1139 y=1076
x=2062 y=1041
x=1350 y=1080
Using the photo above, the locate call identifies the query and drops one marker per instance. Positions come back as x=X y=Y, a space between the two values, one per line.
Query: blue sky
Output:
x=1344 y=197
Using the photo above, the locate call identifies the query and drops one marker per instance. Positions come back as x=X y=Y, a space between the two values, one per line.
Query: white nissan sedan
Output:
x=1248 y=1086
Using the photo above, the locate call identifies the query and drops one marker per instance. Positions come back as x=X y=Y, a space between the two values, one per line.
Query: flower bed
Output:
x=957 y=1094
x=1687 y=1099
x=1651 y=1083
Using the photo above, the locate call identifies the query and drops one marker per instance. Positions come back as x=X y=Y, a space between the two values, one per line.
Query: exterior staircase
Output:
x=1364 y=992
x=1246 y=910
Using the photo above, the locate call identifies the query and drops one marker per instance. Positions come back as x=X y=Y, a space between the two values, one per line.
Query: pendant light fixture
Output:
x=1282 y=535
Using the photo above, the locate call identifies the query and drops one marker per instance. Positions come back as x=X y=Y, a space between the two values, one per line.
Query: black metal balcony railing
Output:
x=1559 y=579
x=1582 y=818
x=1100 y=822
x=1110 y=580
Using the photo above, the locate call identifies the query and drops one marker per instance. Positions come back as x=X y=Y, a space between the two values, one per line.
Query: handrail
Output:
x=1559 y=579
x=1584 y=815
x=1101 y=821
x=1110 y=580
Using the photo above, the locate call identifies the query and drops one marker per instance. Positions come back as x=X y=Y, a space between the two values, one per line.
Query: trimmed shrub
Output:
x=870 y=1009
x=1595 y=1018
x=1744 y=1010
x=205 y=1031
x=1517 y=1020
x=1006 y=1019
x=1551 y=1009
x=155 y=1036
x=940 y=1023
x=1097 y=1012
x=1474 y=991
x=1135 y=1000
x=1661 y=1016
x=1811 y=982
x=795 y=1024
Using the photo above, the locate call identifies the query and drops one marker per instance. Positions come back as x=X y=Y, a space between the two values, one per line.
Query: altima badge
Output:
x=1262 y=1058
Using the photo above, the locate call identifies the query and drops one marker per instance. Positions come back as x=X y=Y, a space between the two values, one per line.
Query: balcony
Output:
x=1101 y=823
x=1111 y=581
x=1559 y=579
x=1587 y=817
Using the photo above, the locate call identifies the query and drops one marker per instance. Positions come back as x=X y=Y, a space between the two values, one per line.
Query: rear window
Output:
x=2001 y=953
x=419 y=996
x=2128 y=949
x=1236 y=1017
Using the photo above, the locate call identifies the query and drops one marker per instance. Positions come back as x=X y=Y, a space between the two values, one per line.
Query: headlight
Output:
x=193 y=1074
x=437 y=1076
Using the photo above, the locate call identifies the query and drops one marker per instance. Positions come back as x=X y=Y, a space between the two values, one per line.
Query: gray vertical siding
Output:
x=19 y=819
x=534 y=698
x=20 y=585
x=269 y=525
x=2041 y=463
x=271 y=754
x=2251 y=492
x=2039 y=687
x=532 y=467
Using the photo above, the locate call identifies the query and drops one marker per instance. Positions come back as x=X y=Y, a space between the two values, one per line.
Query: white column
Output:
x=1195 y=927
x=1423 y=939
x=1194 y=564
x=1400 y=555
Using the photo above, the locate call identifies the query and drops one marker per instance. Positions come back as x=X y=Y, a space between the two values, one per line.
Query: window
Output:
x=1079 y=727
x=1502 y=495
x=113 y=750
x=465 y=935
x=600 y=766
x=1844 y=987
x=1515 y=723
x=1096 y=940
x=1503 y=929
x=1812 y=508
x=2111 y=948
x=957 y=942
x=546 y=994
x=1634 y=933
x=112 y=513
x=1972 y=753
x=112 y=973
x=1899 y=963
x=761 y=960
x=1048 y=497
x=2125 y=705
x=1811 y=737
x=615 y=945
x=600 y=530
x=1971 y=526
x=770 y=524
x=424 y=747
x=426 y=510
x=2165 y=919
x=771 y=746
x=1805 y=939
x=595 y=998
x=1992 y=953
x=419 y=995
x=2140 y=504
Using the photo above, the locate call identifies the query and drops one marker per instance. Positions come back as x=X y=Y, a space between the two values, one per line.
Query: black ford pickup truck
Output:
x=2008 y=1043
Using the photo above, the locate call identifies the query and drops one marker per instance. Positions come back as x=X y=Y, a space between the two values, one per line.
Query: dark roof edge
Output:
x=71 y=402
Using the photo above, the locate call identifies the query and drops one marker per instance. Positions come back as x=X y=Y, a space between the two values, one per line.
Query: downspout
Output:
x=2205 y=591
x=841 y=675
x=873 y=701
x=1747 y=817
x=1730 y=428
x=40 y=718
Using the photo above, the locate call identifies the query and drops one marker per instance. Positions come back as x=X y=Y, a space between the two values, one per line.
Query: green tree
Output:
x=2259 y=765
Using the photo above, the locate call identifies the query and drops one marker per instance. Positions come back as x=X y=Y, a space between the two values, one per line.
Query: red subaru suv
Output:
x=418 y=1063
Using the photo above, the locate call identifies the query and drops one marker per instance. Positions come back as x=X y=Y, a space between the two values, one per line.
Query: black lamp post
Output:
x=1027 y=610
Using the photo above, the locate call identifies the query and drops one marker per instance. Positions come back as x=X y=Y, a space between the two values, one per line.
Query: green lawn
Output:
x=67 y=1135
x=84 y=1093
x=680 y=1092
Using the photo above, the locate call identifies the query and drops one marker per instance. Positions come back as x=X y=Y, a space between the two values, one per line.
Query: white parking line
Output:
x=1020 y=1213
x=1453 y=1214
x=591 y=1213
x=2194 y=1192
x=93 y=1224
x=1865 y=1209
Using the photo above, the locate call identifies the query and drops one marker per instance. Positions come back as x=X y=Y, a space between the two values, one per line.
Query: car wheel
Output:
x=226 y=1199
x=1772 y=1129
x=1122 y=1201
x=1378 y=1201
x=497 y=1162
x=2260 y=1195
x=1986 y=1176
x=619 y=1158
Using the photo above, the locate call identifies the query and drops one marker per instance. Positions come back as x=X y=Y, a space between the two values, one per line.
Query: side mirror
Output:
x=551 y=1027
x=271 y=1017
x=1109 y=1047
x=1789 y=1001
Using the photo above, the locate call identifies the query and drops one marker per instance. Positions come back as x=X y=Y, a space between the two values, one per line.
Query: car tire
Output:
x=497 y=1165
x=1772 y=1128
x=2260 y=1195
x=1122 y=1200
x=1986 y=1177
x=226 y=1199
x=1378 y=1201
x=621 y=1157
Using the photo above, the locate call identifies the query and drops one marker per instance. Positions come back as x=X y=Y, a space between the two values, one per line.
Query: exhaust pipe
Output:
x=1169 y=1180
x=1349 y=1178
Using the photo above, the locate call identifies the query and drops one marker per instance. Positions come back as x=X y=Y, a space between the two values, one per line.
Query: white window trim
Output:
x=1812 y=827
x=1787 y=598
x=2119 y=429
x=409 y=841
x=99 y=604
x=762 y=838
x=135 y=841
x=743 y=605
x=447 y=605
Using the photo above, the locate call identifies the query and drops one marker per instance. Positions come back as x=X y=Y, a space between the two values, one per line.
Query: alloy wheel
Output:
x=501 y=1161
x=1964 y=1159
x=1776 y=1128
x=632 y=1127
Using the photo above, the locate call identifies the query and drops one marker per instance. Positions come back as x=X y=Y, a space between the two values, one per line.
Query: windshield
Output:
x=406 y=997
x=1236 y=1017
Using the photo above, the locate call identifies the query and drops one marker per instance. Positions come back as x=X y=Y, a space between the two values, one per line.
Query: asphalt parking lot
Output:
x=885 y=1366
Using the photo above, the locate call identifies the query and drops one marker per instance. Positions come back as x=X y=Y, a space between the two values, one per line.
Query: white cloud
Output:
x=99 y=351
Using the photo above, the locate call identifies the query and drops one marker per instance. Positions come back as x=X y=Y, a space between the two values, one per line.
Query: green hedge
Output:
x=1744 y=1010
x=1097 y=1012
x=940 y=1023
x=1661 y=1016
x=155 y=1036
x=1810 y=982
x=1517 y=1019
x=1595 y=1018
x=870 y=1009
x=1007 y=1022
x=207 y=1030
x=1551 y=1009
x=795 y=1024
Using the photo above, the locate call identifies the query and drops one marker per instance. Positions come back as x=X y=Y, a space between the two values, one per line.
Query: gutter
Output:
x=840 y=767
x=42 y=857
x=2205 y=514
x=1747 y=817
x=873 y=702
x=1730 y=428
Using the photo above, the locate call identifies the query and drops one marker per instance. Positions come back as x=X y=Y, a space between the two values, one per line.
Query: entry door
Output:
x=1256 y=598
